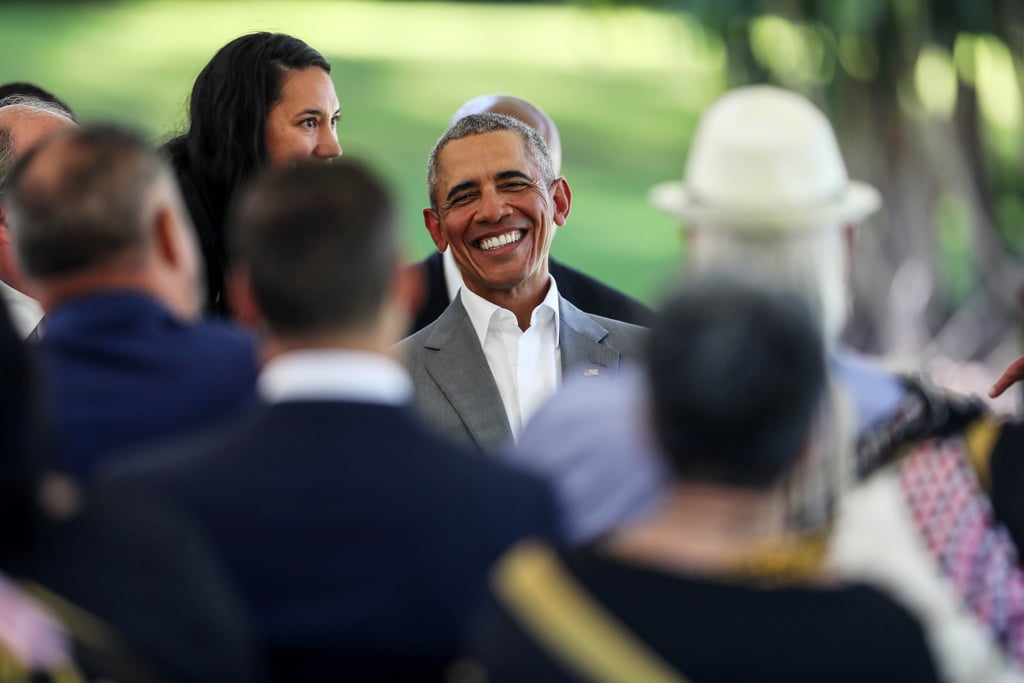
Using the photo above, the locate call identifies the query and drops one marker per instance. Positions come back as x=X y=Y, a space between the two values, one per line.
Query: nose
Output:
x=492 y=207
x=328 y=147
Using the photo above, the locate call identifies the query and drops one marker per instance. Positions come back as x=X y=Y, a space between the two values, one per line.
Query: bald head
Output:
x=520 y=109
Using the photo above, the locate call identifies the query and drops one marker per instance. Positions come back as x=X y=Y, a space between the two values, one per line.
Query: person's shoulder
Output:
x=590 y=294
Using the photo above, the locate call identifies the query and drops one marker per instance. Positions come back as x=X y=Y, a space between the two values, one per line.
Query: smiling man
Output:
x=507 y=341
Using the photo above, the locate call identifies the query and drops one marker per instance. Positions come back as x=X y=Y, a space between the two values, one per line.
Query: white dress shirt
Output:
x=335 y=375
x=525 y=365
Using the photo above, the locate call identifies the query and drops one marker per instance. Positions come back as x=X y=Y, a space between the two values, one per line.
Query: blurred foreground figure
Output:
x=24 y=121
x=102 y=235
x=766 y=195
x=356 y=536
x=710 y=587
x=442 y=275
x=109 y=587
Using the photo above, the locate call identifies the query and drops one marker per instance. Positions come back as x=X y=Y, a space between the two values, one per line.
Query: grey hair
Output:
x=478 y=124
x=40 y=105
x=34 y=107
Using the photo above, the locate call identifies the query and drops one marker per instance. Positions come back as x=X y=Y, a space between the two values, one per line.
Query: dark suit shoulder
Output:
x=593 y=296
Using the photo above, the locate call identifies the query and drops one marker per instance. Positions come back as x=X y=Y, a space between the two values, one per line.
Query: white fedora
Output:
x=764 y=158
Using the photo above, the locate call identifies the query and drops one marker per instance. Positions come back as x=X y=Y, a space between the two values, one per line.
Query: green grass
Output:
x=624 y=87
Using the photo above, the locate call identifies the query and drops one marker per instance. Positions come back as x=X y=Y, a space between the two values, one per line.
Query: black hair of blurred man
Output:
x=16 y=89
x=736 y=378
x=338 y=222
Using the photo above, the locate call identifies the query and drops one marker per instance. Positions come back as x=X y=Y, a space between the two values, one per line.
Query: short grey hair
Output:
x=34 y=107
x=478 y=124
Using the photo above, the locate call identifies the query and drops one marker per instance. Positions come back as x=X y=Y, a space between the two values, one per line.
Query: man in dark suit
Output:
x=510 y=337
x=441 y=274
x=102 y=235
x=357 y=537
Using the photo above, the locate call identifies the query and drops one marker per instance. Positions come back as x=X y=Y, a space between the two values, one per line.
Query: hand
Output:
x=1010 y=376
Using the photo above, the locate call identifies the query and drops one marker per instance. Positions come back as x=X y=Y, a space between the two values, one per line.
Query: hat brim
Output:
x=858 y=202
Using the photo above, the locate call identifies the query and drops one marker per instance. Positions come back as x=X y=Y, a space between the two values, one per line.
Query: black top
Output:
x=704 y=629
x=139 y=596
x=584 y=292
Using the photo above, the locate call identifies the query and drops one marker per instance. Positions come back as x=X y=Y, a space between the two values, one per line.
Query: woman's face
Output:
x=301 y=125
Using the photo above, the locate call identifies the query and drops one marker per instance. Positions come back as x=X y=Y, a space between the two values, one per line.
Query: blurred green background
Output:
x=925 y=96
x=615 y=81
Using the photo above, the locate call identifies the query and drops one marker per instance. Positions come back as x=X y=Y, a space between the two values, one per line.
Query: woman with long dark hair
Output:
x=265 y=99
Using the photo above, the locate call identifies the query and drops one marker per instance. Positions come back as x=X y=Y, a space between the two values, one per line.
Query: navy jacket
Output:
x=358 y=539
x=121 y=370
x=582 y=291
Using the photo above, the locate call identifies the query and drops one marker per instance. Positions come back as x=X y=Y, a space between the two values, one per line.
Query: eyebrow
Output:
x=501 y=175
x=316 y=112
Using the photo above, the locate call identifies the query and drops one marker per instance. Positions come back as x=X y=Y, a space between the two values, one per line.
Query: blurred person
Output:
x=27 y=89
x=104 y=239
x=442 y=275
x=711 y=586
x=24 y=121
x=100 y=587
x=264 y=99
x=766 y=194
x=356 y=536
x=509 y=338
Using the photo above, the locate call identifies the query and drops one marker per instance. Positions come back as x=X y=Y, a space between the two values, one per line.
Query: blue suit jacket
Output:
x=358 y=538
x=121 y=370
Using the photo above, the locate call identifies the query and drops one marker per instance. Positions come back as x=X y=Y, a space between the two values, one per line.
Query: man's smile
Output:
x=497 y=241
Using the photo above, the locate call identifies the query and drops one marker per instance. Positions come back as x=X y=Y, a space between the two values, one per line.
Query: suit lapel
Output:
x=458 y=366
x=580 y=339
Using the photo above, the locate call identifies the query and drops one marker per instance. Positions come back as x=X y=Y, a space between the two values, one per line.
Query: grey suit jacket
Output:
x=455 y=392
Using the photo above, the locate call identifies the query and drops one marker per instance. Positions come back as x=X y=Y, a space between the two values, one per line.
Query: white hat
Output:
x=765 y=158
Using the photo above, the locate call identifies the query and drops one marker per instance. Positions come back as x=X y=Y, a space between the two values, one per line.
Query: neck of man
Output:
x=521 y=299
x=52 y=292
x=703 y=528
x=374 y=339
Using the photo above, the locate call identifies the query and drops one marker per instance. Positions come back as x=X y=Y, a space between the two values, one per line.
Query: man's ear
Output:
x=409 y=286
x=561 y=195
x=240 y=298
x=167 y=241
x=432 y=220
x=849 y=237
x=5 y=233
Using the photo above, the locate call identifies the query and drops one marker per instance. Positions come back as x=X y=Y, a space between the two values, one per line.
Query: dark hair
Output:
x=736 y=377
x=478 y=124
x=21 y=462
x=320 y=244
x=88 y=210
x=26 y=89
x=226 y=143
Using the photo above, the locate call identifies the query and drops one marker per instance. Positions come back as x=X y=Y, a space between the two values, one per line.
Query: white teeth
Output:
x=501 y=240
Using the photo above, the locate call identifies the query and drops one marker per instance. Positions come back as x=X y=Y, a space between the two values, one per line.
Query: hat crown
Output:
x=762 y=148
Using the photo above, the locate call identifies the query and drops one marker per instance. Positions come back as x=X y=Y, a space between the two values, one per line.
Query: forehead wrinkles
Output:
x=483 y=158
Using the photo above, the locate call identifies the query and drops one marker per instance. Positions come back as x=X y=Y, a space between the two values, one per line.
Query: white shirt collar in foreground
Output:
x=335 y=375
x=481 y=311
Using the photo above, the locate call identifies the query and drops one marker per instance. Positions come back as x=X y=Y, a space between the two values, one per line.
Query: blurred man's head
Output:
x=737 y=376
x=766 y=194
x=98 y=208
x=518 y=108
x=319 y=247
